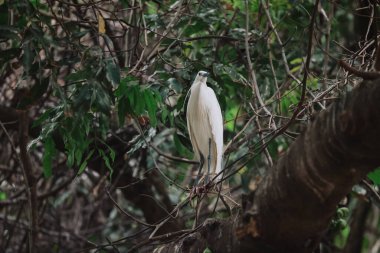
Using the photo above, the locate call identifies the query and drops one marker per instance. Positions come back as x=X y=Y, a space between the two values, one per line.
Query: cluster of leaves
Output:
x=95 y=87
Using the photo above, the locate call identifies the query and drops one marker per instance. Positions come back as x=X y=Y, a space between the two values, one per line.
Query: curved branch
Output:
x=295 y=202
x=366 y=75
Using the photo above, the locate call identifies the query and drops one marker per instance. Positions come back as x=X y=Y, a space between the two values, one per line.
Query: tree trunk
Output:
x=294 y=203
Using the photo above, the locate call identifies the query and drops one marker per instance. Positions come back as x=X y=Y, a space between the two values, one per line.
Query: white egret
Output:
x=205 y=126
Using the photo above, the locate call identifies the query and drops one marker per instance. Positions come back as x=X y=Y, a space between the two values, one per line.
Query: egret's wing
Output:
x=190 y=129
x=215 y=117
x=215 y=120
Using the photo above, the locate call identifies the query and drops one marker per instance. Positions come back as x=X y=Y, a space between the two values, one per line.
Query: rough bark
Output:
x=295 y=202
x=293 y=205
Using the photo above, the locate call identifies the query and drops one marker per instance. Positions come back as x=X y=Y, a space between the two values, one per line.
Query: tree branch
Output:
x=30 y=180
x=295 y=202
x=366 y=75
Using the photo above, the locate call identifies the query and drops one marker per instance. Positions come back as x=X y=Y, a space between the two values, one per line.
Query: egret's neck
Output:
x=195 y=88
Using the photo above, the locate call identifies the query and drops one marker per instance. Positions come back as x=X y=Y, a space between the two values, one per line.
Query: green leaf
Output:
x=181 y=103
x=112 y=154
x=341 y=238
x=342 y=212
x=103 y=101
x=27 y=57
x=231 y=114
x=296 y=61
x=175 y=85
x=122 y=109
x=139 y=105
x=78 y=155
x=84 y=163
x=3 y=196
x=79 y=75
x=33 y=143
x=113 y=72
x=164 y=115
x=46 y=115
x=122 y=89
x=106 y=161
x=70 y=157
x=48 y=129
x=34 y=2
x=82 y=167
x=49 y=153
x=140 y=142
x=207 y=250
x=375 y=176
x=342 y=223
x=171 y=119
x=82 y=98
x=151 y=107
x=182 y=144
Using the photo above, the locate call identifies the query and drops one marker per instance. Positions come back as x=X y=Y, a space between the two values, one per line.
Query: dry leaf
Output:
x=248 y=229
x=101 y=24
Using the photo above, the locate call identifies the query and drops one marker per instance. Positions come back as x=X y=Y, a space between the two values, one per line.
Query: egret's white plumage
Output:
x=205 y=122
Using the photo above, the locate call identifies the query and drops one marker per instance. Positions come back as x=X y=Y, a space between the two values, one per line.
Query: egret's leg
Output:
x=208 y=159
x=201 y=162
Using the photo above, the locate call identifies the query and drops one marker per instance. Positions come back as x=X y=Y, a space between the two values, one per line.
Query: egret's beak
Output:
x=203 y=74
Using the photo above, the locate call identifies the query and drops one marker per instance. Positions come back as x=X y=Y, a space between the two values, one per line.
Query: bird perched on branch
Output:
x=205 y=125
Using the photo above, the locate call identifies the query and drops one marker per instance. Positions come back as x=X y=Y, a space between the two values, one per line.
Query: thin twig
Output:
x=128 y=214
x=300 y=103
x=367 y=75
x=327 y=47
x=170 y=216
x=238 y=134
x=174 y=158
x=251 y=71
x=283 y=54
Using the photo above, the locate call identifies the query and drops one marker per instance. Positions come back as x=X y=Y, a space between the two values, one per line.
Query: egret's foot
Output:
x=217 y=188
x=198 y=190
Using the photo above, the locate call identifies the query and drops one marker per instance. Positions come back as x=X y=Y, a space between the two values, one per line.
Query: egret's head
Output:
x=201 y=77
